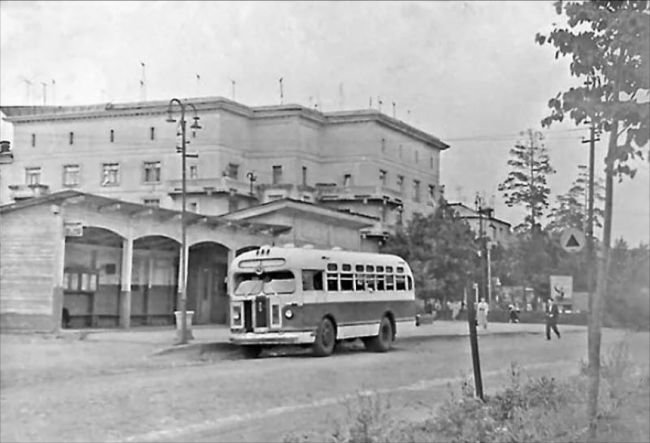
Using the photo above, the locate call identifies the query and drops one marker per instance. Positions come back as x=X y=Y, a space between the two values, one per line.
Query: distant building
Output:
x=497 y=230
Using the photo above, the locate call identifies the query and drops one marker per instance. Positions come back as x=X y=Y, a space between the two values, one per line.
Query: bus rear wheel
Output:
x=251 y=351
x=384 y=340
x=325 y=338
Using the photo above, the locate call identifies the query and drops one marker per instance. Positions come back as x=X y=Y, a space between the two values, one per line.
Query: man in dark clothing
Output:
x=552 y=314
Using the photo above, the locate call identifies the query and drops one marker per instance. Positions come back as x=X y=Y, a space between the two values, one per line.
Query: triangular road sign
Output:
x=572 y=240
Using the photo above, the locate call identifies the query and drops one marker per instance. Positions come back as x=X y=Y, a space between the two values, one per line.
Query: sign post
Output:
x=473 y=340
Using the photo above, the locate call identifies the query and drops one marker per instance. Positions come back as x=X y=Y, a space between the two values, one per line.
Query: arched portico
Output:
x=91 y=279
x=207 y=293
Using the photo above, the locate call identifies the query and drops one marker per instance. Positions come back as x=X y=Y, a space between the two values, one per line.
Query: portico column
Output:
x=125 y=281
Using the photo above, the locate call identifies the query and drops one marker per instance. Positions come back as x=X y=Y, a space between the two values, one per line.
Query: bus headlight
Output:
x=236 y=315
x=288 y=313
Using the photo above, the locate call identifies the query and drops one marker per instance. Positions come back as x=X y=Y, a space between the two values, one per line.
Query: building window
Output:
x=417 y=156
x=400 y=183
x=153 y=202
x=152 y=133
x=33 y=176
x=277 y=174
x=194 y=172
x=71 y=175
x=33 y=140
x=233 y=171
x=151 y=172
x=304 y=175
x=383 y=145
x=347 y=180
x=416 y=190
x=110 y=174
x=382 y=177
x=71 y=138
x=431 y=162
x=112 y=136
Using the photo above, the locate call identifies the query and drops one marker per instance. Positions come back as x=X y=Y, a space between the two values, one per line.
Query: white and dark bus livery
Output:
x=305 y=296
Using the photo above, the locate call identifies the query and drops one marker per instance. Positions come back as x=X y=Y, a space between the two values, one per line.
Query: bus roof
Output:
x=307 y=258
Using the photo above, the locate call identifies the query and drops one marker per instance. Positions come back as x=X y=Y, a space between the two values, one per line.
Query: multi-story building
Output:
x=361 y=161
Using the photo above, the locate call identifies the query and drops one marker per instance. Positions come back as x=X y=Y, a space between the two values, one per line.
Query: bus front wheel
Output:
x=384 y=340
x=251 y=351
x=325 y=338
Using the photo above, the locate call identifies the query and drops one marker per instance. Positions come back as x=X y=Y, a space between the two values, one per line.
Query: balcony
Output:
x=221 y=185
x=23 y=192
x=328 y=192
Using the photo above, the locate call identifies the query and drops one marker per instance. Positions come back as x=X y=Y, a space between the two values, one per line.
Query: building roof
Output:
x=471 y=214
x=20 y=114
x=130 y=208
x=306 y=209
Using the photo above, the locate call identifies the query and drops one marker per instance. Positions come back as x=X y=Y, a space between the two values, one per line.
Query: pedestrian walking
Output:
x=552 y=314
x=482 y=313
x=513 y=317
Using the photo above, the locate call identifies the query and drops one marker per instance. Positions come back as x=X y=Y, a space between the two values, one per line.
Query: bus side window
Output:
x=332 y=277
x=359 y=278
x=409 y=281
x=312 y=280
x=347 y=278
x=400 y=283
x=380 y=278
x=390 y=282
x=370 y=277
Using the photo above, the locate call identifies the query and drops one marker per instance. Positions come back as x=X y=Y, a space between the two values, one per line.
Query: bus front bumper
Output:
x=272 y=338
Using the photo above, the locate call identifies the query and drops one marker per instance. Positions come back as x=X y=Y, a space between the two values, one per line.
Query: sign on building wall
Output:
x=73 y=229
x=562 y=287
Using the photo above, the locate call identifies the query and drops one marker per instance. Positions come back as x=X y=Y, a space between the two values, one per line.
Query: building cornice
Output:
x=29 y=114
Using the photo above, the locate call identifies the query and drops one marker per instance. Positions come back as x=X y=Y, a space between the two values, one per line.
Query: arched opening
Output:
x=207 y=293
x=91 y=283
x=154 y=280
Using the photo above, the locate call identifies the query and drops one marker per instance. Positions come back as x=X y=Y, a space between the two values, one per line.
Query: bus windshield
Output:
x=280 y=282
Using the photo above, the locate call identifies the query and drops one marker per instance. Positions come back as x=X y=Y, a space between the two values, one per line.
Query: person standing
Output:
x=482 y=313
x=552 y=314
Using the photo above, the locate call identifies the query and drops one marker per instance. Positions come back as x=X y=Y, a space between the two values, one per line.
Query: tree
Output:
x=441 y=250
x=526 y=183
x=609 y=45
x=570 y=210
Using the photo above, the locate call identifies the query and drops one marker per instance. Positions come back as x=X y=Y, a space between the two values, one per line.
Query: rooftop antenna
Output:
x=28 y=87
x=143 y=87
x=379 y=102
x=53 y=92
x=232 y=83
x=198 y=85
x=44 y=93
x=394 y=110
x=281 y=92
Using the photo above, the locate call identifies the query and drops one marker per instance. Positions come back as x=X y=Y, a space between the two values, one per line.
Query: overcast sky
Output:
x=469 y=73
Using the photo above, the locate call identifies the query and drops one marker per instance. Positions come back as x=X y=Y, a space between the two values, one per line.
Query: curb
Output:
x=200 y=347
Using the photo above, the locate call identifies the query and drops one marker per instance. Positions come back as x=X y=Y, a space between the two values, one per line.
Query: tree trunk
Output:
x=594 y=326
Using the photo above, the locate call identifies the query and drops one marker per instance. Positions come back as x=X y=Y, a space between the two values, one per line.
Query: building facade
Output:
x=358 y=161
x=496 y=230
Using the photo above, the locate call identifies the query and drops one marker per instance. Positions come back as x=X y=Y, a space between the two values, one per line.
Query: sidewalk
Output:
x=217 y=336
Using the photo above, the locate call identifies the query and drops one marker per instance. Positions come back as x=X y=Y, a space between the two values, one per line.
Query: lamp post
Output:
x=182 y=284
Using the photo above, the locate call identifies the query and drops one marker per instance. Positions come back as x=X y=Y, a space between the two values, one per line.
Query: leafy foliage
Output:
x=609 y=44
x=570 y=210
x=441 y=250
x=526 y=183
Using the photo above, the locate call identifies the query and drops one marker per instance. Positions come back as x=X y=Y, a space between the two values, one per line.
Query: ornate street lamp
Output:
x=182 y=284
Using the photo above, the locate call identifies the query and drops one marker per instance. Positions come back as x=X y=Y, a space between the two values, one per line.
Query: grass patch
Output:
x=526 y=409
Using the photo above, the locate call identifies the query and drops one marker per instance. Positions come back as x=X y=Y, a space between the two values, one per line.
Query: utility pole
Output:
x=473 y=341
x=590 y=215
x=182 y=284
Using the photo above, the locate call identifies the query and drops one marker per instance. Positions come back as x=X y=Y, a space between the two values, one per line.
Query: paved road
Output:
x=224 y=398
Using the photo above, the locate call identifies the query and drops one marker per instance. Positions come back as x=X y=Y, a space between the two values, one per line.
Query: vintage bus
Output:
x=305 y=296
